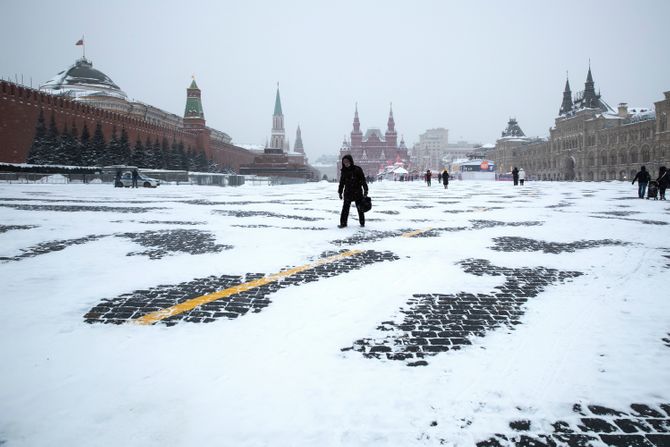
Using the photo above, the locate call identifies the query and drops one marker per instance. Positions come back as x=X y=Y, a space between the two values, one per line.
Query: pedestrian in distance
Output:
x=515 y=175
x=117 y=179
x=445 y=178
x=135 y=176
x=642 y=178
x=439 y=177
x=522 y=176
x=663 y=181
x=428 y=176
x=352 y=188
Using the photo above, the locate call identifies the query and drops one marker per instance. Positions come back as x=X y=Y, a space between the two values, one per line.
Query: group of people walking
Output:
x=442 y=177
x=655 y=187
x=518 y=176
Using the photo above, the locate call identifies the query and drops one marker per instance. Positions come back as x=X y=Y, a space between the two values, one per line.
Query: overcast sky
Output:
x=464 y=65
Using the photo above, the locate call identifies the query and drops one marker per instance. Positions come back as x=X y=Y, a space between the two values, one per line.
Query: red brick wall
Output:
x=20 y=108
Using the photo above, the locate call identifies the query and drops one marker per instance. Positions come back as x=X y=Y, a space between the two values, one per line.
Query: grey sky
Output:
x=466 y=66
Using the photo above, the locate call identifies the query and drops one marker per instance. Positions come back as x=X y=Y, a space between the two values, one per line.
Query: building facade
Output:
x=590 y=141
x=431 y=149
x=374 y=150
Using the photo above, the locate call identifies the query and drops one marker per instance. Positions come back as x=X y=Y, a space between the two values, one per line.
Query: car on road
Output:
x=126 y=180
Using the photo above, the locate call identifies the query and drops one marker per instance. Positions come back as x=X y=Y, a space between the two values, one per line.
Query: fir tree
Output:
x=51 y=142
x=157 y=161
x=124 y=148
x=201 y=161
x=148 y=158
x=183 y=157
x=137 y=156
x=37 y=149
x=85 y=147
x=112 y=155
x=165 y=153
x=75 y=149
x=98 y=146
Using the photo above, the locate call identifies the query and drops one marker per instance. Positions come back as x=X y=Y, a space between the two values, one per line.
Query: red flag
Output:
x=80 y=41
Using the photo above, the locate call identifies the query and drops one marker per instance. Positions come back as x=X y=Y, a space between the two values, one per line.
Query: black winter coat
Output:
x=352 y=183
x=642 y=176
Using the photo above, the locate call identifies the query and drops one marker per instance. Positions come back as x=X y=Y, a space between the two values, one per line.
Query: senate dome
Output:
x=82 y=80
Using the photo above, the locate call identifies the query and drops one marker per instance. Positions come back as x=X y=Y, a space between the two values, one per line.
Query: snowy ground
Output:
x=538 y=313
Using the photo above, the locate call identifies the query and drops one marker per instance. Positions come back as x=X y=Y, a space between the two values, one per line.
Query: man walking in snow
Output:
x=642 y=178
x=352 y=188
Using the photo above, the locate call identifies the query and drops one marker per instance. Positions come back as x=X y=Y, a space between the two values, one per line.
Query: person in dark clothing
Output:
x=428 y=177
x=663 y=181
x=135 y=177
x=352 y=188
x=117 y=179
x=642 y=178
x=445 y=178
x=515 y=175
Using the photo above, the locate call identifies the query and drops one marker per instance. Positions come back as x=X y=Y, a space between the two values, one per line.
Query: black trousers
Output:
x=346 y=204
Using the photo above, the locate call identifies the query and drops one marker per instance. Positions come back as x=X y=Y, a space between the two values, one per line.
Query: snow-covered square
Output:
x=482 y=314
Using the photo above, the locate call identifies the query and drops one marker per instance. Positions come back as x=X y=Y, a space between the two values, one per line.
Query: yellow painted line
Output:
x=180 y=308
x=416 y=232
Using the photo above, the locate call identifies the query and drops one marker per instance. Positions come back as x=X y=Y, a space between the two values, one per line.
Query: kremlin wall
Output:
x=82 y=96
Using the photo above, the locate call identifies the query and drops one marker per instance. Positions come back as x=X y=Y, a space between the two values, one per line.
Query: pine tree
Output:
x=165 y=153
x=98 y=146
x=157 y=161
x=201 y=161
x=183 y=157
x=190 y=160
x=75 y=150
x=148 y=158
x=51 y=142
x=37 y=149
x=112 y=153
x=85 y=147
x=124 y=148
x=137 y=156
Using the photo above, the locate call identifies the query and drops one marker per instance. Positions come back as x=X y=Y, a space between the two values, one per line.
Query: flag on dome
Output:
x=80 y=41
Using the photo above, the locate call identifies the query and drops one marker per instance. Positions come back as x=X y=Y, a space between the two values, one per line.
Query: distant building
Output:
x=276 y=160
x=431 y=149
x=374 y=150
x=590 y=141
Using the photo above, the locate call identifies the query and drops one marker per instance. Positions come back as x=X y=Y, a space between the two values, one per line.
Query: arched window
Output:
x=633 y=155
x=603 y=158
x=613 y=158
x=646 y=154
x=623 y=159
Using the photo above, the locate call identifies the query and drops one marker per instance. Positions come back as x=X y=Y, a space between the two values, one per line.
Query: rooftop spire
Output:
x=566 y=105
x=278 y=103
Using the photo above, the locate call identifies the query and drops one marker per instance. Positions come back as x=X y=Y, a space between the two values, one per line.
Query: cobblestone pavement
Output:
x=5 y=228
x=160 y=244
x=265 y=214
x=433 y=323
x=51 y=246
x=513 y=243
x=78 y=208
x=164 y=242
x=639 y=425
x=142 y=302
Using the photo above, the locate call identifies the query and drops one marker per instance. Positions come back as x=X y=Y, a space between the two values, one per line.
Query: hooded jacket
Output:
x=352 y=181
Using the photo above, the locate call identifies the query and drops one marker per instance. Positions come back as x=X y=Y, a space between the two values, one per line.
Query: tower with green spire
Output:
x=278 y=134
x=194 y=116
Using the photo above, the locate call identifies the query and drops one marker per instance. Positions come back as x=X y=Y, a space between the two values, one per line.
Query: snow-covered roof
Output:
x=81 y=79
x=373 y=131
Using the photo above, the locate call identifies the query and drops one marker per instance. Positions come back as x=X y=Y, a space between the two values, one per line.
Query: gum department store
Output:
x=590 y=141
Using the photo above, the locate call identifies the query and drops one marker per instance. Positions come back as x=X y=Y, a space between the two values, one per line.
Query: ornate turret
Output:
x=356 y=134
x=194 y=116
x=591 y=100
x=566 y=105
x=391 y=135
x=297 y=147
x=513 y=130
x=278 y=135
